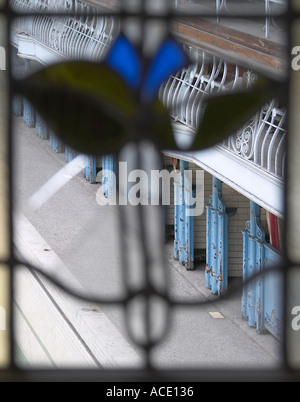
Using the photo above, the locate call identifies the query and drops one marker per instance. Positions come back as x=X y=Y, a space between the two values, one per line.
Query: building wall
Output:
x=236 y=224
x=200 y=221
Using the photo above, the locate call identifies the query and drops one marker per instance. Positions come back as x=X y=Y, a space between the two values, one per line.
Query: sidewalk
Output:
x=70 y=227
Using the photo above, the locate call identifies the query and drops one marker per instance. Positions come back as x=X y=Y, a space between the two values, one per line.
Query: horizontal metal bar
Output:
x=234 y=13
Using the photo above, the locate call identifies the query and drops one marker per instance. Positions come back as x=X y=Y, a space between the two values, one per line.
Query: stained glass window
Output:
x=117 y=81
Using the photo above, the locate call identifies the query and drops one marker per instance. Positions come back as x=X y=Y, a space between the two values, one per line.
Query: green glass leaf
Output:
x=224 y=114
x=161 y=128
x=87 y=105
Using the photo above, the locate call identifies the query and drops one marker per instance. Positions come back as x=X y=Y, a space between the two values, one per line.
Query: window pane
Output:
x=73 y=236
x=293 y=215
x=293 y=161
x=68 y=235
x=4 y=206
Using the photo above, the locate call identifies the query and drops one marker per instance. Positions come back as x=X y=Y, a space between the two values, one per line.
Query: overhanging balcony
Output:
x=67 y=37
x=260 y=142
x=252 y=160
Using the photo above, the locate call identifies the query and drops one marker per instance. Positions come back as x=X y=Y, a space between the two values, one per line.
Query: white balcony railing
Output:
x=76 y=38
x=183 y=93
x=260 y=142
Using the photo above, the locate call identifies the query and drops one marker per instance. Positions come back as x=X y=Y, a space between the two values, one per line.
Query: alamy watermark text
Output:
x=296 y=58
x=296 y=320
x=138 y=187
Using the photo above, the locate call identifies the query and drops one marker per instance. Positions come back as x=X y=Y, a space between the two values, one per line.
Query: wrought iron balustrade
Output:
x=76 y=38
x=260 y=141
x=183 y=93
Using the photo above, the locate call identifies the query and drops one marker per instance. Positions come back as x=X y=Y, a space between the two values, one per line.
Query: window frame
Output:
x=12 y=372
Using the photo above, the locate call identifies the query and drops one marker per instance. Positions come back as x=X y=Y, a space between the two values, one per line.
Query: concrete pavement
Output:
x=84 y=237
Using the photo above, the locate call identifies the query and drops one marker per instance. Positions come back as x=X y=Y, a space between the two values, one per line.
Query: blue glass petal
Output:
x=125 y=60
x=169 y=59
